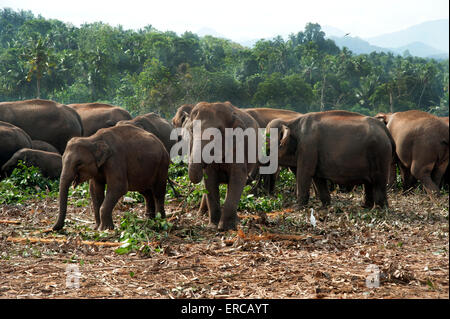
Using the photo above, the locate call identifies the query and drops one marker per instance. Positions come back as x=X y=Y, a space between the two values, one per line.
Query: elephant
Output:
x=182 y=115
x=344 y=147
x=43 y=146
x=262 y=116
x=98 y=115
x=422 y=147
x=220 y=116
x=153 y=123
x=50 y=163
x=12 y=139
x=124 y=157
x=43 y=120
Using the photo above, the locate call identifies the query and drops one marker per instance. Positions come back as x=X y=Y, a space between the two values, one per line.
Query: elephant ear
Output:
x=184 y=117
x=382 y=117
x=285 y=133
x=236 y=121
x=101 y=151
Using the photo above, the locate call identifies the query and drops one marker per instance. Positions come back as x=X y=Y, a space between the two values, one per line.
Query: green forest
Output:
x=152 y=71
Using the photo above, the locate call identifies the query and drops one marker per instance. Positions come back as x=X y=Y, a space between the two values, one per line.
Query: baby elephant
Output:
x=126 y=158
x=50 y=163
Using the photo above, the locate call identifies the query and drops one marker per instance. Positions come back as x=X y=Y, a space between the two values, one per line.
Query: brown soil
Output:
x=276 y=255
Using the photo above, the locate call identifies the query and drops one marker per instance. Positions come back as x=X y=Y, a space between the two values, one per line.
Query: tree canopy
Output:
x=149 y=70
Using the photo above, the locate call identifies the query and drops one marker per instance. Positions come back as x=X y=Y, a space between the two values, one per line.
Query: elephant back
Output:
x=155 y=124
x=43 y=120
x=95 y=116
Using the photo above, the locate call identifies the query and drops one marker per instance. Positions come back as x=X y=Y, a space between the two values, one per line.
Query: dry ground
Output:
x=278 y=255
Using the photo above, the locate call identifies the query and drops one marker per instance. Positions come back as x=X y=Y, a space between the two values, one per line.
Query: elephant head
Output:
x=206 y=126
x=81 y=161
x=285 y=138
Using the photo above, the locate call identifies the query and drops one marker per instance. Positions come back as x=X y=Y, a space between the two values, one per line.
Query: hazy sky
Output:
x=238 y=19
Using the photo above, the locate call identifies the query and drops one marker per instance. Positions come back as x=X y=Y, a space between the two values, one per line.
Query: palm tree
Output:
x=38 y=55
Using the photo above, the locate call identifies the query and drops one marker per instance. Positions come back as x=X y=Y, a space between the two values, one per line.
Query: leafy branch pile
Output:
x=26 y=182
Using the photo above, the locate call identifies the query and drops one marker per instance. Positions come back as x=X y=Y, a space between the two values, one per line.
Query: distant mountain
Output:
x=208 y=31
x=432 y=33
x=420 y=49
x=357 y=45
x=332 y=31
x=360 y=46
x=428 y=40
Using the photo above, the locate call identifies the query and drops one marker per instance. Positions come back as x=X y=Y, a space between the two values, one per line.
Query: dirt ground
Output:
x=274 y=255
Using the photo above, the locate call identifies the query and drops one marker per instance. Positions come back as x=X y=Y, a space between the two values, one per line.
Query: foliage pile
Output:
x=24 y=183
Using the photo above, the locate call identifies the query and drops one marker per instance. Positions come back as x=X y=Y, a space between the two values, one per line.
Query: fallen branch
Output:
x=9 y=222
x=32 y=240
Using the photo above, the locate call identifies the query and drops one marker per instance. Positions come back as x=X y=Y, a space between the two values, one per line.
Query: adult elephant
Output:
x=422 y=147
x=153 y=123
x=344 y=147
x=12 y=139
x=43 y=120
x=50 y=163
x=99 y=115
x=126 y=158
x=220 y=116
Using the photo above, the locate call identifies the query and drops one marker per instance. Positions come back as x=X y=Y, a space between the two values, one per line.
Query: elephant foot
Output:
x=211 y=226
x=150 y=214
x=227 y=225
x=96 y=226
x=325 y=203
x=105 y=226
x=57 y=226
x=368 y=205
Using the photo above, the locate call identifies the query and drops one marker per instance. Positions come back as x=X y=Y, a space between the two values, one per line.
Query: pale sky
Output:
x=243 y=19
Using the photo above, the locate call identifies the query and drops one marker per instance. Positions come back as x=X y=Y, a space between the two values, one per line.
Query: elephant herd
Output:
x=104 y=145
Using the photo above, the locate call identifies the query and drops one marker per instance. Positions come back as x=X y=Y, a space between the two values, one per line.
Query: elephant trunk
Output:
x=195 y=172
x=65 y=181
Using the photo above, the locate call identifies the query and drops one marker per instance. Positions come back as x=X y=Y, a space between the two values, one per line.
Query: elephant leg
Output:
x=236 y=184
x=438 y=173
x=392 y=175
x=368 y=195
x=97 y=191
x=408 y=179
x=213 y=197
x=269 y=182
x=322 y=190
x=423 y=174
x=304 y=179
x=149 y=204
x=379 y=190
x=203 y=209
x=112 y=197
x=159 y=195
